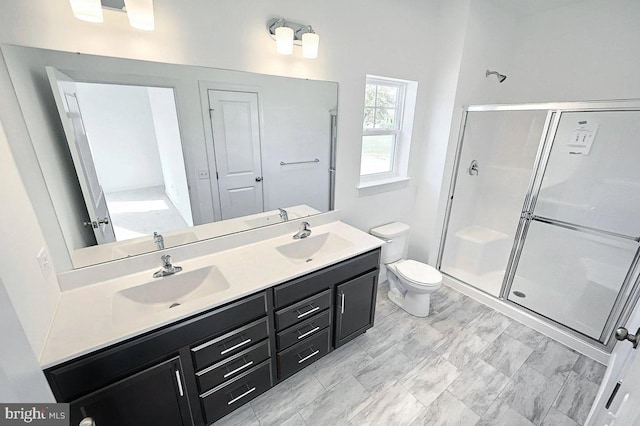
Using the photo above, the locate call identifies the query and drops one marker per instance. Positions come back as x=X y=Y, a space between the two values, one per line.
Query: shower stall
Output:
x=543 y=211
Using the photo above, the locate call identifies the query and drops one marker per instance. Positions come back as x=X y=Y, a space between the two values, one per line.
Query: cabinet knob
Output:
x=622 y=334
x=87 y=421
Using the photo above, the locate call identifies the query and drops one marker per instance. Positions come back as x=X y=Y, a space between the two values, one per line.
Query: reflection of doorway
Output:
x=131 y=138
x=135 y=142
x=235 y=125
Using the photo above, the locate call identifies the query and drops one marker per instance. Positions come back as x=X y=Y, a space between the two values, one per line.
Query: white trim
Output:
x=382 y=185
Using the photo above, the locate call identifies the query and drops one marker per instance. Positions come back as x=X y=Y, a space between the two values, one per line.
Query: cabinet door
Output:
x=153 y=397
x=355 y=307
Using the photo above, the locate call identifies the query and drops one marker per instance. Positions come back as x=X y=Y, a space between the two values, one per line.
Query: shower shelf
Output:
x=481 y=235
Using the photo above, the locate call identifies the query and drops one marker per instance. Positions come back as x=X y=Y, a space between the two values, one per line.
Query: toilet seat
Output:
x=419 y=273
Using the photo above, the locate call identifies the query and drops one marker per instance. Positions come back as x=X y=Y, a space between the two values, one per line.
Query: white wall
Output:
x=34 y=298
x=169 y=145
x=120 y=126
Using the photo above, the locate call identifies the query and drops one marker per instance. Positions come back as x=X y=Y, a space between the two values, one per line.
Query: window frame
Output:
x=397 y=132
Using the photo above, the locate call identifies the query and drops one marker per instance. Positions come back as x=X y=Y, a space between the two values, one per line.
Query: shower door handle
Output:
x=473 y=168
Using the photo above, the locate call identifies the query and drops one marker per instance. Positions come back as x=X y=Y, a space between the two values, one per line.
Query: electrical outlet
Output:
x=203 y=174
x=43 y=261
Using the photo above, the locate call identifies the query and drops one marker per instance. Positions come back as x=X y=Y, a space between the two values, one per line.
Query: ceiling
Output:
x=521 y=8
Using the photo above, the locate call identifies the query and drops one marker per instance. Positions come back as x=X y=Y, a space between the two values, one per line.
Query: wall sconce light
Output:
x=139 y=12
x=287 y=34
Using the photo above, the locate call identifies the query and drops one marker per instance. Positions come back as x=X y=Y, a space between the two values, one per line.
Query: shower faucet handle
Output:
x=622 y=334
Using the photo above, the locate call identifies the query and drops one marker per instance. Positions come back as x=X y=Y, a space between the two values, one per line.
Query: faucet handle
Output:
x=305 y=226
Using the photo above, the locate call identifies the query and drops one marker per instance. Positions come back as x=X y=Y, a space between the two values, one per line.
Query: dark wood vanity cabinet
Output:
x=198 y=370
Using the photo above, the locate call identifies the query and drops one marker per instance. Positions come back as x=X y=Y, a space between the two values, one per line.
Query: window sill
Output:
x=382 y=185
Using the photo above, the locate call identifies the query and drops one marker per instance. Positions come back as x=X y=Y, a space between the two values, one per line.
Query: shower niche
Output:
x=542 y=211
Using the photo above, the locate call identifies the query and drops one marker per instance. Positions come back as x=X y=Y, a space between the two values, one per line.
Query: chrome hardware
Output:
x=96 y=223
x=87 y=421
x=308 y=356
x=282 y=163
x=473 y=168
x=317 y=308
x=241 y=396
x=235 y=347
x=159 y=240
x=303 y=232
x=283 y=214
x=231 y=373
x=167 y=267
x=342 y=307
x=622 y=334
x=302 y=336
x=179 y=383
x=259 y=179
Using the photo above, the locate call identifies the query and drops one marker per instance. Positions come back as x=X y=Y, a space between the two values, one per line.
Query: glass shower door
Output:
x=582 y=231
x=496 y=160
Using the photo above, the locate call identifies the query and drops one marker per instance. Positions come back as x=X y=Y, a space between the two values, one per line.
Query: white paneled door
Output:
x=65 y=94
x=235 y=125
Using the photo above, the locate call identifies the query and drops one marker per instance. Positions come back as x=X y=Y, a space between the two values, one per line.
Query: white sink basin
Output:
x=313 y=247
x=148 y=245
x=159 y=294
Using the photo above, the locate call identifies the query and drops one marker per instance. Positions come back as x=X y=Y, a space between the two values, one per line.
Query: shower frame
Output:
x=623 y=305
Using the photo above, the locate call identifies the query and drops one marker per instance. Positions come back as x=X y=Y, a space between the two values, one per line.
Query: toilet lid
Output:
x=419 y=272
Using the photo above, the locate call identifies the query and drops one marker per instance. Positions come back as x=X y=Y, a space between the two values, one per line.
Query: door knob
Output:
x=623 y=334
x=259 y=179
x=96 y=223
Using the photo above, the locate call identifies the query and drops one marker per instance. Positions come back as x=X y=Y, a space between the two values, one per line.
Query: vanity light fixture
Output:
x=139 y=12
x=287 y=34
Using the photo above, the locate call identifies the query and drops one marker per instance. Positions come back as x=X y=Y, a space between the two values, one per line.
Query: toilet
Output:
x=410 y=282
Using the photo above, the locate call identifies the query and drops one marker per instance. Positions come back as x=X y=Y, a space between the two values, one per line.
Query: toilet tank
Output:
x=396 y=233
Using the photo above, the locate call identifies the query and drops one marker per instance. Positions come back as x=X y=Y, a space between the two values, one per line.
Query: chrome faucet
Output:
x=283 y=214
x=303 y=232
x=159 y=240
x=167 y=268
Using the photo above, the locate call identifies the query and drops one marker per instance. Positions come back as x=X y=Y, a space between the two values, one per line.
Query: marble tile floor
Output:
x=465 y=364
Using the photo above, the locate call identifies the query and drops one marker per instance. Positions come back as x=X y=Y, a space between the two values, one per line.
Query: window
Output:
x=386 y=132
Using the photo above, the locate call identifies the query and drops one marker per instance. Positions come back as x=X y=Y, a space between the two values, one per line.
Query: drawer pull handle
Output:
x=302 y=336
x=249 y=364
x=241 y=396
x=310 y=311
x=342 y=308
x=233 y=348
x=179 y=383
x=308 y=356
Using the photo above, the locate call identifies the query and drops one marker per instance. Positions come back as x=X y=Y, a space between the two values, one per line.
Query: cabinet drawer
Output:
x=304 y=353
x=222 y=400
x=300 y=288
x=233 y=366
x=229 y=344
x=89 y=373
x=303 y=310
x=304 y=329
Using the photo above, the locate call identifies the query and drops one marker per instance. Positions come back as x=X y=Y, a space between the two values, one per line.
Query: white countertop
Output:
x=84 y=321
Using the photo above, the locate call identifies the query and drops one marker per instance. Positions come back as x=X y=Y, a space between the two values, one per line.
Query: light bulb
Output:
x=140 y=14
x=87 y=10
x=310 y=42
x=284 y=40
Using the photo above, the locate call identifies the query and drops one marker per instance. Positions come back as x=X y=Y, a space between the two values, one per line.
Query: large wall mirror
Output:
x=138 y=156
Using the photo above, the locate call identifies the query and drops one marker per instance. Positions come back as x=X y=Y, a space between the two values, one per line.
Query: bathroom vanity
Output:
x=203 y=365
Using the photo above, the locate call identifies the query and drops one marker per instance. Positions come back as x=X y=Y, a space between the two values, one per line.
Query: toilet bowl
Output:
x=411 y=283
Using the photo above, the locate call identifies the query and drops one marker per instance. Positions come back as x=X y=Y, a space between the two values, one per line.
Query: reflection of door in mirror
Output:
x=235 y=126
x=65 y=93
x=133 y=149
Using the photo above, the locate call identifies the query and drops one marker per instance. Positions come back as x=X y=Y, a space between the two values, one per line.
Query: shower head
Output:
x=501 y=77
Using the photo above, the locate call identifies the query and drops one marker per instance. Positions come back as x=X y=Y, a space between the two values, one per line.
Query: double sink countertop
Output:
x=98 y=315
